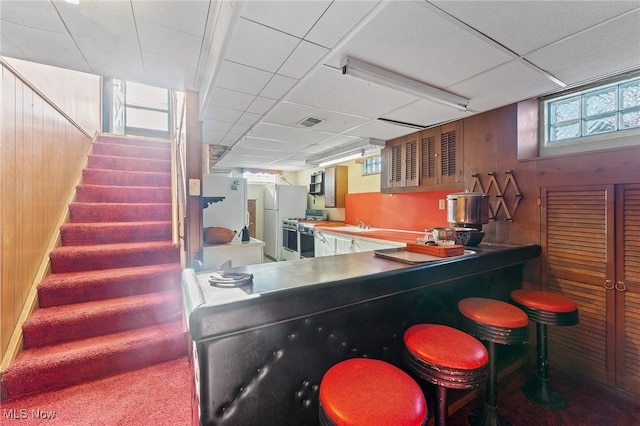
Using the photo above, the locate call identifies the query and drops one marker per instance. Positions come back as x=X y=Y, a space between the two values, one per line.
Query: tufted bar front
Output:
x=260 y=351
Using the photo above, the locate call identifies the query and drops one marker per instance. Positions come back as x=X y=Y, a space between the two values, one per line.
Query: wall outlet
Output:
x=441 y=204
x=194 y=187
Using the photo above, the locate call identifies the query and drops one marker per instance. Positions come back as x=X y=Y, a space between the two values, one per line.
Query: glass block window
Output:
x=372 y=165
x=596 y=111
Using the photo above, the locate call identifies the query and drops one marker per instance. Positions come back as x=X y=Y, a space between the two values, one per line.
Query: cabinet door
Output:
x=428 y=157
x=410 y=160
x=395 y=152
x=627 y=288
x=578 y=257
x=451 y=153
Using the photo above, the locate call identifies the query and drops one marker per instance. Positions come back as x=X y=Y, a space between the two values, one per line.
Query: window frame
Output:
x=600 y=141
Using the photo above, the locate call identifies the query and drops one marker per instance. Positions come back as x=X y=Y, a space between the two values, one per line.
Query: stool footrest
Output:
x=491 y=333
x=448 y=377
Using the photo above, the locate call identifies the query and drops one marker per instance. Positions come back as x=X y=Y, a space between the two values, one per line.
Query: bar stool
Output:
x=545 y=308
x=495 y=322
x=447 y=358
x=365 y=392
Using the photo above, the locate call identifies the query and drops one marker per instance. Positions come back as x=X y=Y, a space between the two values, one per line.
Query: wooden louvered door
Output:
x=450 y=153
x=591 y=246
x=577 y=247
x=428 y=157
x=626 y=288
x=411 y=156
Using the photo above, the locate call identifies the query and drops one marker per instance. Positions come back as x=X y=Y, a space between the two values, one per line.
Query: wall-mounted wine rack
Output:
x=503 y=198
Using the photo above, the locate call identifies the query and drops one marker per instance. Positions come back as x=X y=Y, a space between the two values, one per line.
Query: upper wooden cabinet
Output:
x=335 y=186
x=426 y=160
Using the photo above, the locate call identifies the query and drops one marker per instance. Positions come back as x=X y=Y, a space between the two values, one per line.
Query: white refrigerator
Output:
x=224 y=202
x=281 y=202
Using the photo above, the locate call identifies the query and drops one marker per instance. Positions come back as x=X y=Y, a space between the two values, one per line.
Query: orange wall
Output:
x=413 y=211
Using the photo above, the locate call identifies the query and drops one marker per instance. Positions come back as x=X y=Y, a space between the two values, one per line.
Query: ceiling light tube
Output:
x=372 y=74
x=346 y=152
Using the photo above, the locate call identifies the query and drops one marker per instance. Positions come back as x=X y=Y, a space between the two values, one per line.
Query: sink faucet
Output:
x=360 y=224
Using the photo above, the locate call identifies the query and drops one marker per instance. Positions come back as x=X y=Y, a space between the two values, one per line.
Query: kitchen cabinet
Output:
x=591 y=242
x=316 y=183
x=335 y=186
x=329 y=244
x=427 y=160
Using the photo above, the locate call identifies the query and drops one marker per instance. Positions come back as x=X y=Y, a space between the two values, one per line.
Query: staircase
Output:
x=112 y=302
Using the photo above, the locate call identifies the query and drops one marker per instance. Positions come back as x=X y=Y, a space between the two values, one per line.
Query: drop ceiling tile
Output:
x=328 y=89
x=424 y=113
x=337 y=21
x=230 y=99
x=239 y=129
x=168 y=42
x=289 y=114
x=102 y=20
x=271 y=145
x=303 y=58
x=217 y=126
x=168 y=73
x=292 y=17
x=259 y=153
x=222 y=114
x=186 y=16
x=509 y=83
x=33 y=14
x=524 y=26
x=212 y=137
x=278 y=86
x=249 y=118
x=259 y=46
x=9 y=49
x=333 y=141
x=595 y=53
x=284 y=133
x=380 y=130
x=260 y=105
x=241 y=78
x=51 y=48
x=434 y=50
x=111 y=59
x=230 y=139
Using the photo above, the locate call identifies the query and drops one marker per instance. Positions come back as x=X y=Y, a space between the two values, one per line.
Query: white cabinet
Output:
x=329 y=243
x=236 y=253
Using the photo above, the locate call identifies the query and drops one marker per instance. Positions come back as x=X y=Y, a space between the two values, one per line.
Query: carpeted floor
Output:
x=156 y=395
x=589 y=404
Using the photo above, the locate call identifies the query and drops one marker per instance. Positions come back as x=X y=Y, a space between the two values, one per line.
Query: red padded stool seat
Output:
x=495 y=322
x=365 y=392
x=447 y=358
x=545 y=308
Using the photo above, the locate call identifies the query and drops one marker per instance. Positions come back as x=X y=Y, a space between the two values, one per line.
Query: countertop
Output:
x=282 y=290
x=235 y=244
x=376 y=234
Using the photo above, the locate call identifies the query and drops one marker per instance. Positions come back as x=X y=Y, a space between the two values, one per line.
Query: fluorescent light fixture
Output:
x=347 y=152
x=373 y=74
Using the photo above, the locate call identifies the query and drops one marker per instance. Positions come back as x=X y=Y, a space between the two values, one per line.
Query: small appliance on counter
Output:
x=466 y=213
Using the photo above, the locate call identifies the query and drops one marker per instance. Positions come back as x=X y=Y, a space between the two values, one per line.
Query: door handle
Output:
x=621 y=286
x=608 y=285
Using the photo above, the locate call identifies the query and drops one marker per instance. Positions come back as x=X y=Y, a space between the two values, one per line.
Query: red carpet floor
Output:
x=108 y=341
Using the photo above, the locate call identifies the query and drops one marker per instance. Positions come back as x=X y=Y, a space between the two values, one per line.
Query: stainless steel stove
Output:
x=298 y=235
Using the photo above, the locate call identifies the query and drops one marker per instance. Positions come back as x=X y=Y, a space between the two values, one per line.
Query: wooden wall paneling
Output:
x=21 y=290
x=9 y=285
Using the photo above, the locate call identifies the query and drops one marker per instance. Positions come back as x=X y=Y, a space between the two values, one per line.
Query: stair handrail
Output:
x=178 y=184
x=44 y=97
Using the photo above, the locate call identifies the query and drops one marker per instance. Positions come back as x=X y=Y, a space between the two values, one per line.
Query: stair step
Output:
x=128 y=150
x=122 y=194
x=80 y=361
x=136 y=141
x=112 y=256
x=125 y=178
x=97 y=318
x=119 y=212
x=86 y=286
x=127 y=163
x=77 y=234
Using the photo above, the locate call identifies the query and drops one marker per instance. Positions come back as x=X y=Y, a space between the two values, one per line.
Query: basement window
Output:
x=600 y=116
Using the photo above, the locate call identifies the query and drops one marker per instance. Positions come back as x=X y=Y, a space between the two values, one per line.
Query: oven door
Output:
x=290 y=243
x=307 y=244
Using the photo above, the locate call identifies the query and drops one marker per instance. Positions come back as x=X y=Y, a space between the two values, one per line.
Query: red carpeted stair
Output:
x=112 y=303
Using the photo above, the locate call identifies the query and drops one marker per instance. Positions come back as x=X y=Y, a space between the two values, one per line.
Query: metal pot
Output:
x=468 y=209
x=442 y=235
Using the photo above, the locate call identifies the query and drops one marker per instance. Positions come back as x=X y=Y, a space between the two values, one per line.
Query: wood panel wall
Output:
x=41 y=157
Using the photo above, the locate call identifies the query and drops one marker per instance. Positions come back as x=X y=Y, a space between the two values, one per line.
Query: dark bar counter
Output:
x=261 y=349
